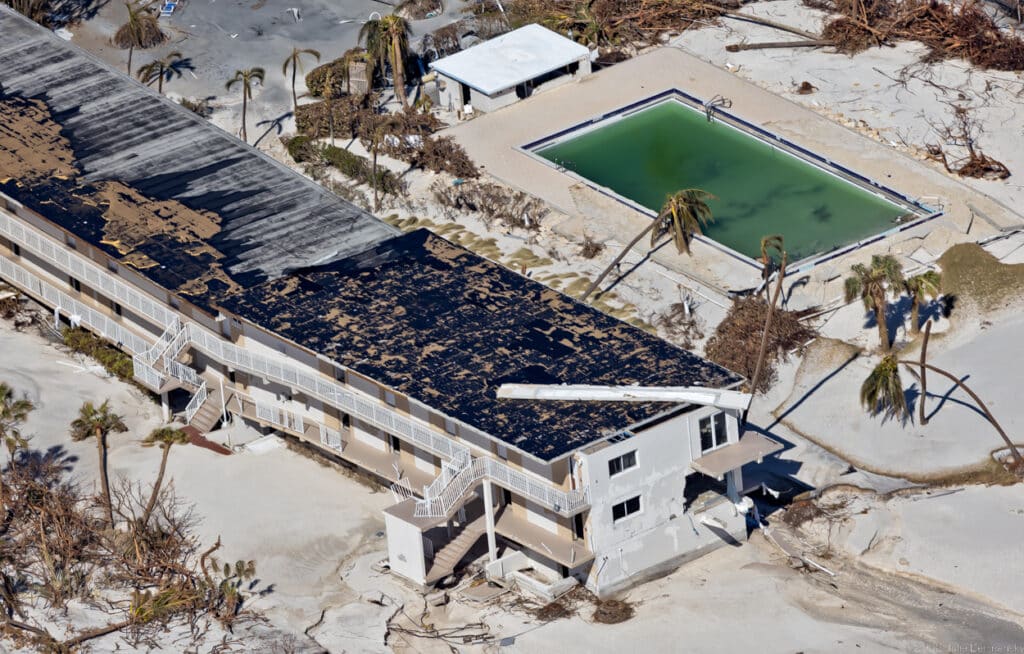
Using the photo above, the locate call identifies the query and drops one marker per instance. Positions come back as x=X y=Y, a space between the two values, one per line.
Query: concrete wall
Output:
x=449 y=91
x=661 y=535
x=405 y=549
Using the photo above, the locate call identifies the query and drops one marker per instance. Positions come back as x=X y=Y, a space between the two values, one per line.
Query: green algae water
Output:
x=668 y=147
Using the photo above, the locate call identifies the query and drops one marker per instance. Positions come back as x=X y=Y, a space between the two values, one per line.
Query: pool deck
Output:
x=492 y=140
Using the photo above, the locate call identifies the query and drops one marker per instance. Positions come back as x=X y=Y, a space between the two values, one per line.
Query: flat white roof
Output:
x=510 y=59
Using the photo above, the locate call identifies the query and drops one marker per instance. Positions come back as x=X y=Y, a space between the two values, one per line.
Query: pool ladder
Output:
x=715 y=103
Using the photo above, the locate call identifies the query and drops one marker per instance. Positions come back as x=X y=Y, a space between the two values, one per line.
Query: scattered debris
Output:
x=590 y=247
x=613 y=611
x=736 y=342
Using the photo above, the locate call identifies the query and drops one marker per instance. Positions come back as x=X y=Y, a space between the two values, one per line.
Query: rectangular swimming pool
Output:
x=762 y=184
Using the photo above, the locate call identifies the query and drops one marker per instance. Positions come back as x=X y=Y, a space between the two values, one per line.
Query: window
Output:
x=389 y=397
x=396 y=445
x=117 y=308
x=502 y=452
x=111 y=266
x=627 y=508
x=713 y=432
x=75 y=284
x=70 y=240
x=449 y=426
x=621 y=463
x=16 y=249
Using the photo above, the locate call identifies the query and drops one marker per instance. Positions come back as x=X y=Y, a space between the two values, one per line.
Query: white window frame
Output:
x=623 y=468
x=627 y=516
x=714 y=433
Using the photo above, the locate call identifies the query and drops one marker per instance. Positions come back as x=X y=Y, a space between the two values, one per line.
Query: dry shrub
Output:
x=492 y=203
x=198 y=106
x=420 y=9
x=963 y=133
x=682 y=327
x=444 y=155
x=800 y=512
x=961 y=29
x=613 y=611
x=352 y=115
x=613 y=22
x=590 y=247
x=552 y=611
x=737 y=341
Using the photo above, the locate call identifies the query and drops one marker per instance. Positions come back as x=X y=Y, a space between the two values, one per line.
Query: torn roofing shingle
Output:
x=447 y=327
x=271 y=219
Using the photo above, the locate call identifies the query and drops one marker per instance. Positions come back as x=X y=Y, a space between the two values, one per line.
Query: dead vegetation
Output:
x=492 y=203
x=736 y=342
x=590 y=248
x=613 y=611
x=963 y=134
x=681 y=324
x=614 y=23
x=69 y=578
x=961 y=29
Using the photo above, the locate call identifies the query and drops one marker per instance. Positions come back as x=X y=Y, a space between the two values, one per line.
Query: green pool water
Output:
x=759 y=190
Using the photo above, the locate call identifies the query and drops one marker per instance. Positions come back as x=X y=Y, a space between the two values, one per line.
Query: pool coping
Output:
x=925 y=213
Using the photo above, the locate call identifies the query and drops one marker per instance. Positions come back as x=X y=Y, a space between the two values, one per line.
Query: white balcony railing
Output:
x=85 y=271
x=195 y=403
x=458 y=472
x=146 y=374
x=96 y=322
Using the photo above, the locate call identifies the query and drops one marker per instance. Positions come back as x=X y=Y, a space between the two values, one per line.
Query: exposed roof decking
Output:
x=511 y=59
x=271 y=219
x=447 y=327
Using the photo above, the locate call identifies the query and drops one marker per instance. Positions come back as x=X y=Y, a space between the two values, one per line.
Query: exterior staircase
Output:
x=446 y=558
x=209 y=413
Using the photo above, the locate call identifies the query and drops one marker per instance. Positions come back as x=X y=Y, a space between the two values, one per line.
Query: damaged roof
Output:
x=446 y=327
x=219 y=223
x=155 y=185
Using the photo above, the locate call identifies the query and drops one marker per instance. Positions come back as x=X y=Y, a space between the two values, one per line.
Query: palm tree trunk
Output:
x=160 y=82
x=373 y=175
x=915 y=315
x=151 y=504
x=131 y=50
x=295 y=98
x=101 y=451
x=245 y=134
x=615 y=262
x=922 y=418
x=977 y=400
x=764 y=337
x=330 y=115
x=883 y=327
x=396 y=65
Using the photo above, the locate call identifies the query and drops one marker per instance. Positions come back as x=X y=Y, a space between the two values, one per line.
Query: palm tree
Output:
x=139 y=31
x=165 y=437
x=775 y=242
x=769 y=244
x=683 y=214
x=919 y=288
x=246 y=79
x=387 y=39
x=294 y=60
x=873 y=284
x=160 y=69
x=13 y=412
x=882 y=392
x=98 y=422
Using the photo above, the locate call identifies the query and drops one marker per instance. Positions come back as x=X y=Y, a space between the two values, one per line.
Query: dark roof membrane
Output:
x=447 y=327
x=271 y=219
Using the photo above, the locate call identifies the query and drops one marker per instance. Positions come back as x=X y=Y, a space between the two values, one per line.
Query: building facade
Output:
x=385 y=357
